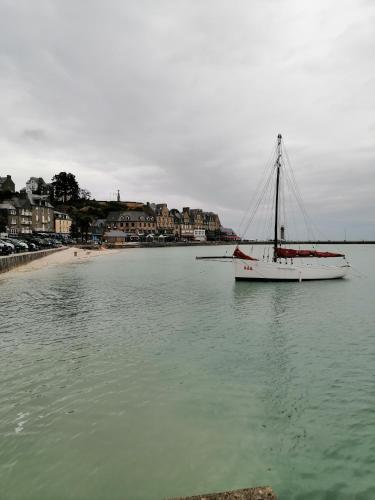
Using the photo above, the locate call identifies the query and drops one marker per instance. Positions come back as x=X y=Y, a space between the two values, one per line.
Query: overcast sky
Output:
x=181 y=101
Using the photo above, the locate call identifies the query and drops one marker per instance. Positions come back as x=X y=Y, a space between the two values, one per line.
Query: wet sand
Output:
x=62 y=257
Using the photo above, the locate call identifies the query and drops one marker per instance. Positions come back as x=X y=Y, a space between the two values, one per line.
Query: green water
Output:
x=148 y=374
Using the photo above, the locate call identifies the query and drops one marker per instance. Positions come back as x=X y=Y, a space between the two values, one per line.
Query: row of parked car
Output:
x=28 y=243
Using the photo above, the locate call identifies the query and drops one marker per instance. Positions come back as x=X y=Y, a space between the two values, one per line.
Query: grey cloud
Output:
x=182 y=101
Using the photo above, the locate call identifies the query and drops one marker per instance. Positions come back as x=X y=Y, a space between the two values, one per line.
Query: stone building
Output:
x=177 y=219
x=187 y=224
x=63 y=223
x=42 y=213
x=212 y=225
x=134 y=222
x=164 y=219
x=9 y=214
x=36 y=185
x=196 y=215
x=98 y=228
x=24 y=216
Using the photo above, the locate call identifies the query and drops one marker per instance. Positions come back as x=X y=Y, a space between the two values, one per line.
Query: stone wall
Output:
x=260 y=493
x=8 y=262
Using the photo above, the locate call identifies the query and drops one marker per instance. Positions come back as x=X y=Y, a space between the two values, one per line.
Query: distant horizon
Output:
x=235 y=227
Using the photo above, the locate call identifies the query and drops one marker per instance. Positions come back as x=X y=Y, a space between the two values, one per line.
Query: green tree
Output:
x=65 y=187
x=81 y=225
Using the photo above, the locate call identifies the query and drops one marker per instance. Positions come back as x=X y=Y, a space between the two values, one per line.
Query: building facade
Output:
x=9 y=214
x=24 y=216
x=63 y=223
x=164 y=219
x=42 y=213
x=133 y=222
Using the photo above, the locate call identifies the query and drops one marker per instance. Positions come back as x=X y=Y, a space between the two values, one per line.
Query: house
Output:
x=196 y=215
x=164 y=219
x=63 y=222
x=134 y=222
x=98 y=228
x=200 y=235
x=9 y=214
x=212 y=224
x=36 y=185
x=7 y=185
x=24 y=215
x=187 y=224
x=177 y=218
x=114 y=237
x=42 y=213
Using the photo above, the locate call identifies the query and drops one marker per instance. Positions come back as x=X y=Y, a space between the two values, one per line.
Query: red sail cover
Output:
x=240 y=255
x=290 y=253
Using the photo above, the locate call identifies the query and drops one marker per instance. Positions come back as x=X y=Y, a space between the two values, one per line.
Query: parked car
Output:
x=20 y=245
x=11 y=247
x=4 y=248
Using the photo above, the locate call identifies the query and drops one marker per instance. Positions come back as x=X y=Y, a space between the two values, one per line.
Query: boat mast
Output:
x=278 y=165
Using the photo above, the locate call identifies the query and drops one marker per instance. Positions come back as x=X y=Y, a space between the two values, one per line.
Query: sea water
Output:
x=147 y=374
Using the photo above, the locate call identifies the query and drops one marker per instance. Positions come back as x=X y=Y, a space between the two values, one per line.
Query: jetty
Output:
x=259 y=493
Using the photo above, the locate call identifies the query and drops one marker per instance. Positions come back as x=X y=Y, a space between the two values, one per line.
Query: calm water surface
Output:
x=148 y=374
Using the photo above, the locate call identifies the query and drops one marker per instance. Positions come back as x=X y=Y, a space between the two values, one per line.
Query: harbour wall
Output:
x=8 y=262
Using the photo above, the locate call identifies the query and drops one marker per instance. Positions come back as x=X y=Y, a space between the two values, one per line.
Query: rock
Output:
x=260 y=493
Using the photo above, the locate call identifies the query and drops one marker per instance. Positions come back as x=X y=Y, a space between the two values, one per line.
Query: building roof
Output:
x=21 y=202
x=64 y=215
x=6 y=205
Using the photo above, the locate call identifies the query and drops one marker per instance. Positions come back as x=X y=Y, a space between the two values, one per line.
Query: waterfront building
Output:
x=7 y=185
x=63 y=222
x=196 y=215
x=200 y=235
x=187 y=224
x=114 y=237
x=98 y=228
x=212 y=224
x=42 y=213
x=164 y=219
x=135 y=222
x=211 y=221
x=9 y=215
x=227 y=234
x=24 y=216
x=177 y=218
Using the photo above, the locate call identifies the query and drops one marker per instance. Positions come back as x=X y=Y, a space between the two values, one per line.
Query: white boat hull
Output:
x=259 y=270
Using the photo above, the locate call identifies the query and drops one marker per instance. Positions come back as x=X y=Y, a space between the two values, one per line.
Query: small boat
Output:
x=287 y=264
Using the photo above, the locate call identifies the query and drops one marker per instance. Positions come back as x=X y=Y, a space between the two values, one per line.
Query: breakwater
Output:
x=8 y=262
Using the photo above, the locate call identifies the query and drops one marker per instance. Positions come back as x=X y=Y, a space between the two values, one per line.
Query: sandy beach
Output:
x=62 y=257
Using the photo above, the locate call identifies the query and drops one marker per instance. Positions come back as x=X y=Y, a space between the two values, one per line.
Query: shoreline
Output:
x=60 y=257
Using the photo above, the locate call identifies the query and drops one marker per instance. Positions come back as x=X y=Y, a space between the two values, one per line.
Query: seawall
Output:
x=8 y=262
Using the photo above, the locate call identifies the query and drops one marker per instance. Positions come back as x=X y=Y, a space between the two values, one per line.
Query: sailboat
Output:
x=287 y=264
